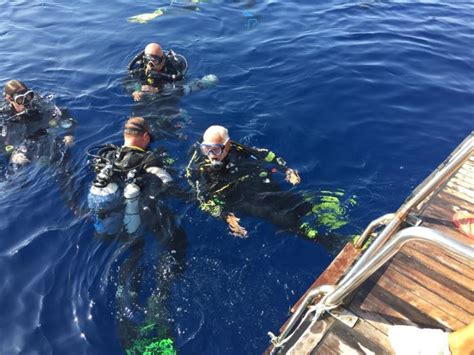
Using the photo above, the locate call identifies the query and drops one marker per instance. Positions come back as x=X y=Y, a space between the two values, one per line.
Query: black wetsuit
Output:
x=244 y=184
x=161 y=111
x=173 y=70
x=35 y=133
x=172 y=239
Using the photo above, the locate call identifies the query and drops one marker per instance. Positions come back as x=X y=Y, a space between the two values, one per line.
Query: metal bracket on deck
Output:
x=344 y=316
x=413 y=220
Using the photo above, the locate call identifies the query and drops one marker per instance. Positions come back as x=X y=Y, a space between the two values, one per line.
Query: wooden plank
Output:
x=397 y=305
x=458 y=194
x=444 y=258
x=345 y=340
x=453 y=233
x=468 y=165
x=438 y=260
x=466 y=171
x=466 y=176
x=375 y=308
x=466 y=192
x=310 y=339
x=413 y=301
x=462 y=185
x=374 y=334
x=456 y=201
x=431 y=299
x=444 y=287
x=463 y=180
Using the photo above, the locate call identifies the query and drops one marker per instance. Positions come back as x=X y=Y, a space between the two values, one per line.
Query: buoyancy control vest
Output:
x=174 y=69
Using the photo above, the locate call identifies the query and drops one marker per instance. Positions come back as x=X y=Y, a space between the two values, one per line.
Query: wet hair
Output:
x=136 y=126
x=14 y=86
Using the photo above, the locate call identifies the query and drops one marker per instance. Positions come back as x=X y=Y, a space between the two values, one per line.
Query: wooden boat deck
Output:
x=421 y=285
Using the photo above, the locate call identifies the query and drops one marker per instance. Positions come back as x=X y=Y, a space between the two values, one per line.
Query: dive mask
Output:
x=154 y=60
x=214 y=148
x=23 y=98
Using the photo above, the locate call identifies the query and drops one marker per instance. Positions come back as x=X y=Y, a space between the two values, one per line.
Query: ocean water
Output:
x=364 y=98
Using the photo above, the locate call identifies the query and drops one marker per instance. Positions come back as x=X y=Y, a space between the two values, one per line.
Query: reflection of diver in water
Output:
x=32 y=128
x=229 y=177
x=125 y=199
x=158 y=82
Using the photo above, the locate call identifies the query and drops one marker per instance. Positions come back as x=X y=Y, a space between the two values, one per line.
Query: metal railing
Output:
x=463 y=152
x=376 y=223
x=334 y=298
x=316 y=292
x=430 y=236
x=369 y=261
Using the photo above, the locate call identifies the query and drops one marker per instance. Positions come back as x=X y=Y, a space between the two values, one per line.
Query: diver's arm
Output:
x=67 y=124
x=211 y=203
x=134 y=61
x=263 y=154
x=179 y=65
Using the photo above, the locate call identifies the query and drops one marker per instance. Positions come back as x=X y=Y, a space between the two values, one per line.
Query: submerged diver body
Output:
x=32 y=127
x=229 y=178
x=126 y=198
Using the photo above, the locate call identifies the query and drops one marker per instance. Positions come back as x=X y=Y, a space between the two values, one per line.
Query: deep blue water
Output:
x=368 y=97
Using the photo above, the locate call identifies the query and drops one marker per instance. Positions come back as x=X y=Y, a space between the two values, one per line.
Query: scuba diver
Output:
x=153 y=69
x=228 y=178
x=157 y=79
x=126 y=196
x=27 y=122
x=125 y=171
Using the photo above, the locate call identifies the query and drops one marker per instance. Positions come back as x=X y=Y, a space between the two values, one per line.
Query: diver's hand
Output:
x=68 y=140
x=236 y=229
x=292 y=176
x=137 y=95
x=19 y=158
x=149 y=88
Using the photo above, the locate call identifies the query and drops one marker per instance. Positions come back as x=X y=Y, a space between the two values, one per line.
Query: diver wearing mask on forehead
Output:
x=228 y=177
x=26 y=119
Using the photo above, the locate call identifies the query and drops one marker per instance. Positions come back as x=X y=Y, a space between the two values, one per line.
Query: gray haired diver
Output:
x=230 y=178
x=26 y=119
x=222 y=172
x=153 y=69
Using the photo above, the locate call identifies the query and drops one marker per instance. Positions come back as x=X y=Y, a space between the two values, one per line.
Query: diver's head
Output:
x=215 y=144
x=137 y=133
x=18 y=95
x=154 y=57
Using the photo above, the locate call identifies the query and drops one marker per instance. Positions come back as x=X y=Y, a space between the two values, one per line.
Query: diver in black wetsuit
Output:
x=32 y=127
x=229 y=178
x=152 y=68
x=158 y=83
x=125 y=197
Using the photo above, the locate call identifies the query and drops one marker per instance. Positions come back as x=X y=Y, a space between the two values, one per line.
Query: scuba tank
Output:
x=131 y=193
x=105 y=202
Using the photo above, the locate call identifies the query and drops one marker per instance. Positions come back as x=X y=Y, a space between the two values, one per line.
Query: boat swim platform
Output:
x=413 y=267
